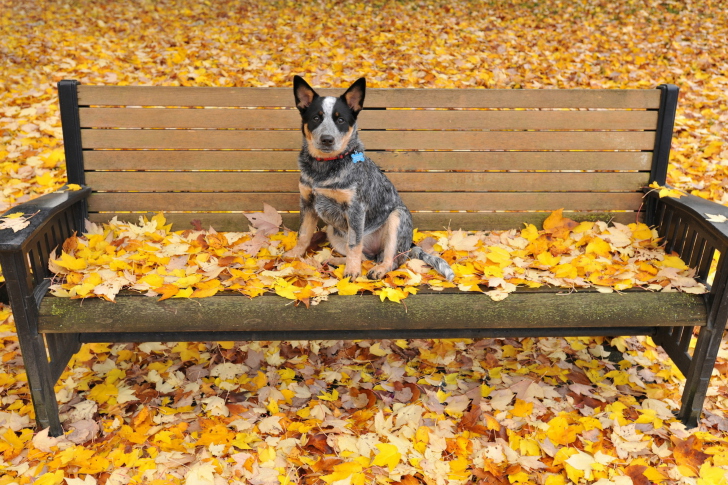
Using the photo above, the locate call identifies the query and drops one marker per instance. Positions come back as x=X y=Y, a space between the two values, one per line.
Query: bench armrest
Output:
x=685 y=226
x=24 y=254
x=42 y=210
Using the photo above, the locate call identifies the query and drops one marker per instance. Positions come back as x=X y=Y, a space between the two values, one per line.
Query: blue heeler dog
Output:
x=364 y=214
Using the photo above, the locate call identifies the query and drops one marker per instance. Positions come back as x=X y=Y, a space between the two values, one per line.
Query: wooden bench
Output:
x=470 y=159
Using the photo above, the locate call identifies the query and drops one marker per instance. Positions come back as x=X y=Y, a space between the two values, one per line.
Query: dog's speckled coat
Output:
x=364 y=213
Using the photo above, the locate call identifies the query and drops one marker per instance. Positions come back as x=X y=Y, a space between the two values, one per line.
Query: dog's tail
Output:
x=436 y=262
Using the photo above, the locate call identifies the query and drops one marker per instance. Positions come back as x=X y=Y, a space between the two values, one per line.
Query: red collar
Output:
x=334 y=158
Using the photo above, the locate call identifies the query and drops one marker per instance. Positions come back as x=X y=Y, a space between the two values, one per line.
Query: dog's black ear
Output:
x=303 y=92
x=354 y=96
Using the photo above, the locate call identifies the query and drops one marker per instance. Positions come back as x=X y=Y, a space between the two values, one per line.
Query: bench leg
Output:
x=32 y=344
x=698 y=376
x=41 y=383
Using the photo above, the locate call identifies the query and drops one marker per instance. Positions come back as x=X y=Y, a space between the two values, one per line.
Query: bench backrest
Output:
x=467 y=158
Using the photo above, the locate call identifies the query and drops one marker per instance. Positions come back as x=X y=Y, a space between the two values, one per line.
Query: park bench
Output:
x=464 y=158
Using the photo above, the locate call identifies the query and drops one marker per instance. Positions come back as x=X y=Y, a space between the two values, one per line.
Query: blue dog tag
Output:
x=357 y=157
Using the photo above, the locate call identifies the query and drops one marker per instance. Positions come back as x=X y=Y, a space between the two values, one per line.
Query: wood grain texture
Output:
x=277 y=119
x=423 y=201
x=376 y=98
x=426 y=221
x=356 y=313
x=377 y=140
x=389 y=161
x=404 y=182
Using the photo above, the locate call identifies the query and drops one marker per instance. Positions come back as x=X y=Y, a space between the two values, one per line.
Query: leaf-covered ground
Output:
x=542 y=411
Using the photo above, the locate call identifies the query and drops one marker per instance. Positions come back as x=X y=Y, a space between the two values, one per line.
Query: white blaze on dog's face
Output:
x=328 y=122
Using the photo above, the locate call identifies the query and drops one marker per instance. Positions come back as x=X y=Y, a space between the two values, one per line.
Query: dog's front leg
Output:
x=308 y=224
x=354 y=238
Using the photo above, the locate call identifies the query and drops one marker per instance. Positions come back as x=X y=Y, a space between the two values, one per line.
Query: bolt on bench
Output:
x=470 y=159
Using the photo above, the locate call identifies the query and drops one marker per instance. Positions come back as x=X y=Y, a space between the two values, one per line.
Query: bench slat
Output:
x=366 y=313
x=385 y=140
x=375 y=98
x=426 y=221
x=389 y=161
x=262 y=119
x=424 y=201
x=405 y=182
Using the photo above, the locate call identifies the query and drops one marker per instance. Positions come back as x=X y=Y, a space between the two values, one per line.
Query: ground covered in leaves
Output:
x=546 y=411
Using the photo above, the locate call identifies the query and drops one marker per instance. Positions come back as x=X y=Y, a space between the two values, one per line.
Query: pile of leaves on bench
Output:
x=195 y=263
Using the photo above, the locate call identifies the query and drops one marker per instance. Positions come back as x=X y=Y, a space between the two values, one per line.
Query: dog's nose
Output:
x=327 y=140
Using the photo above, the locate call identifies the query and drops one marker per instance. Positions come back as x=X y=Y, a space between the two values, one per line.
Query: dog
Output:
x=365 y=215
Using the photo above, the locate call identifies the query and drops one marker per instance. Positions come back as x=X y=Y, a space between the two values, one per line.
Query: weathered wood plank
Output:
x=436 y=221
x=366 y=313
x=376 y=98
x=266 y=119
x=424 y=201
x=377 y=140
x=404 y=182
x=389 y=161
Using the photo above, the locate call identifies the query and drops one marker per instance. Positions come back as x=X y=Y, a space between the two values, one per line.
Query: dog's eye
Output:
x=317 y=118
x=340 y=121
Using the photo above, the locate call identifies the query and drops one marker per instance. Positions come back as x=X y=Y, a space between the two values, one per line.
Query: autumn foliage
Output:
x=497 y=411
x=196 y=263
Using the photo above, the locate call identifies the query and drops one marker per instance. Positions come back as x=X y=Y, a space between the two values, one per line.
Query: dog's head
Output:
x=328 y=122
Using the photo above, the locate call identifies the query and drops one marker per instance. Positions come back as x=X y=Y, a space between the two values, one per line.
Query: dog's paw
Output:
x=378 y=272
x=352 y=273
x=294 y=253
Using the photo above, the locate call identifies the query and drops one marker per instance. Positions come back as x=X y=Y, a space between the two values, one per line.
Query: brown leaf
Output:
x=636 y=473
x=578 y=377
x=687 y=453
x=317 y=444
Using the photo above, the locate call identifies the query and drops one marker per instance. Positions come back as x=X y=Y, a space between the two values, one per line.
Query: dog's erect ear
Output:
x=354 y=96
x=303 y=92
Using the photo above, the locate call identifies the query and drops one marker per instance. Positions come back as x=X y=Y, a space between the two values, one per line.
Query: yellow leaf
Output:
x=714 y=147
x=69 y=262
x=272 y=406
x=546 y=259
x=343 y=471
x=674 y=262
x=153 y=280
x=267 y=454
x=560 y=432
x=667 y=191
x=45 y=179
x=599 y=246
x=101 y=393
x=709 y=475
x=205 y=292
x=50 y=478
x=530 y=232
x=348 y=288
x=522 y=408
x=73 y=187
x=555 y=480
x=553 y=220
x=583 y=227
x=393 y=294
x=329 y=396
x=388 y=456
x=565 y=271
x=260 y=380
x=184 y=293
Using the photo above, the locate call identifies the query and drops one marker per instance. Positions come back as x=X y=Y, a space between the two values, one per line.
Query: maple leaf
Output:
x=388 y=456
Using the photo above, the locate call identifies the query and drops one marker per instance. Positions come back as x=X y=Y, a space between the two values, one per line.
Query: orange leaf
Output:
x=167 y=291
